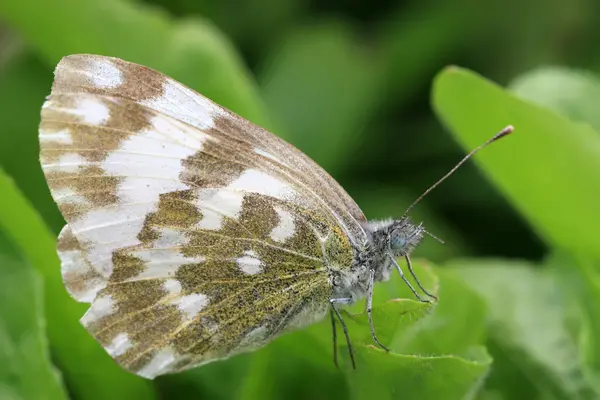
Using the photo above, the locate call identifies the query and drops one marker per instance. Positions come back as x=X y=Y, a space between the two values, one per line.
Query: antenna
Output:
x=504 y=132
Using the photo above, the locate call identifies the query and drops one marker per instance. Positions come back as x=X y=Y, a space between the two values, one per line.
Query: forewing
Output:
x=118 y=78
x=193 y=240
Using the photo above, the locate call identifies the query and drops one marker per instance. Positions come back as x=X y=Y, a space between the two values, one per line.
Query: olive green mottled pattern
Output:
x=294 y=277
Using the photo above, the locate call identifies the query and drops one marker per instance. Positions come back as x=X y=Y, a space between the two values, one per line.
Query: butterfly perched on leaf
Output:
x=195 y=234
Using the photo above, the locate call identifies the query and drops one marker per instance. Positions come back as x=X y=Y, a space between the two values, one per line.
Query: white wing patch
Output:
x=184 y=104
x=212 y=220
x=191 y=304
x=255 y=337
x=70 y=195
x=69 y=163
x=109 y=229
x=104 y=74
x=286 y=227
x=159 y=364
x=62 y=137
x=249 y=263
x=91 y=111
x=172 y=286
x=216 y=204
x=256 y=181
x=119 y=345
x=162 y=259
x=101 y=307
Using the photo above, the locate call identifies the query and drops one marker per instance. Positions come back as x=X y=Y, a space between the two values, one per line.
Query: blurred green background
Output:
x=363 y=88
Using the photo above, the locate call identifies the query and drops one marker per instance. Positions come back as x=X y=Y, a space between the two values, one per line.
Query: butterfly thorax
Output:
x=387 y=239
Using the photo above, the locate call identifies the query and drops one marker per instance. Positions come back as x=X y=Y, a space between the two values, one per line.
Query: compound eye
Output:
x=397 y=241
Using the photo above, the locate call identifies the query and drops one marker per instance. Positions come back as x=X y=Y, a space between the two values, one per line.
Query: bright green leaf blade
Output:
x=530 y=318
x=581 y=278
x=569 y=92
x=415 y=26
x=548 y=168
x=217 y=380
x=90 y=372
x=455 y=325
x=282 y=370
x=24 y=84
x=509 y=378
x=395 y=307
x=392 y=376
x=25 y=368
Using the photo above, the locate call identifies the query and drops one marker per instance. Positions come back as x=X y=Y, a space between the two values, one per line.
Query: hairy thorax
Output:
x=387 y=239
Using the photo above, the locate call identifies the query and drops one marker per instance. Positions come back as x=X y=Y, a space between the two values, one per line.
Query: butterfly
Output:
x=195 y=234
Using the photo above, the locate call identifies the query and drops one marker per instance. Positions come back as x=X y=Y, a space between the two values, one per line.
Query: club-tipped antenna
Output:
x=504 y=132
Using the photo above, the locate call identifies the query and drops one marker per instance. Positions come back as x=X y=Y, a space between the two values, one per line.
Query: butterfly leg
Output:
x=369 y=308
x=410 y=268
x=334 y=334
x=333 y=302
x=407 y=282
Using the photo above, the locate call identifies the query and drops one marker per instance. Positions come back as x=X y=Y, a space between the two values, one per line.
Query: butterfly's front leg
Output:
x=401 y=273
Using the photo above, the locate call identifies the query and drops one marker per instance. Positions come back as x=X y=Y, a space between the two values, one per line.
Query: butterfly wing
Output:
x=194 y=233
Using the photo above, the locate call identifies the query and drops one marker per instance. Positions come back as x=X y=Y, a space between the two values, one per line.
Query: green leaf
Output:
x=580 y=277
x=566 y=91
x=548 y=168
x=454 y=326
x=25 y=368
x=89 y=371
x=25 y=83
x=286 y=367
x=393 y=376
x=323 y=88
x=530 y=319
x=415 y=26
x=395 y=308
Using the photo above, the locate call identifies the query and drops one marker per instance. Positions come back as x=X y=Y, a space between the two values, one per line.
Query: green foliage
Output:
x=566 y=91
x=347 y=84
x=329 y=52
x=544 y=319
x=25 y=368
x=548 y=150
x=520 y=300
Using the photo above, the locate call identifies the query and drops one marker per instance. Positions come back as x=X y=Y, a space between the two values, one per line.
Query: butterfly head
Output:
x=404 y=236
x=396 y=238
x=391 y=239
